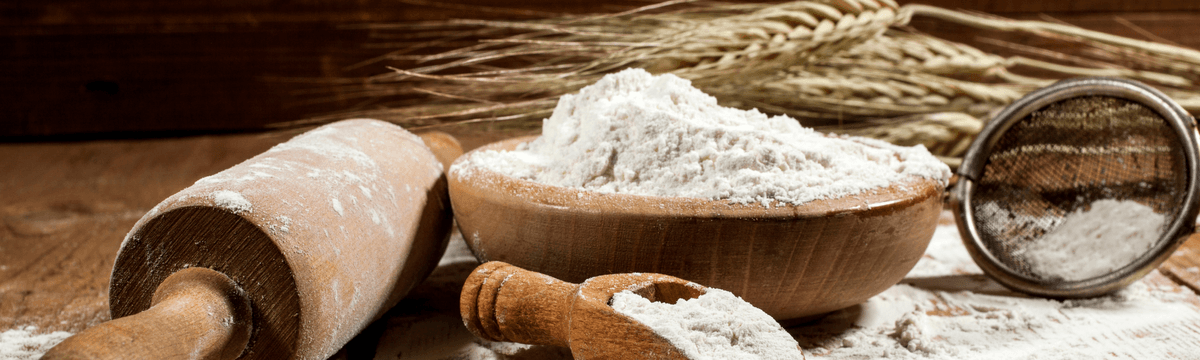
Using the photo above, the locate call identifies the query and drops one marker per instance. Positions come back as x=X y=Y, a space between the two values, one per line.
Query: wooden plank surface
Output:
x=151 y=67
x=68 y=205
x=1184 y=266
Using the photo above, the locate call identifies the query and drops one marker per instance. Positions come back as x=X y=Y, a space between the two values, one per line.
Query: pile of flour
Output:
x=717 y=325
x=1093 y=242
x=24 y=343
x=635 y=133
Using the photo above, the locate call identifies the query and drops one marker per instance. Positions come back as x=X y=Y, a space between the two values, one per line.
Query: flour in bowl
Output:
x=635 y=133
x=717 y=325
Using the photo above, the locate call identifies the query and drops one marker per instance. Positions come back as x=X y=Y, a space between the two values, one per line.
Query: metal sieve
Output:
x=1060 y=149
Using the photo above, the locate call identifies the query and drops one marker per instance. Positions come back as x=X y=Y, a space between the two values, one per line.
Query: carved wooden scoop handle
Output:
x=501 y=302
x=196 y=313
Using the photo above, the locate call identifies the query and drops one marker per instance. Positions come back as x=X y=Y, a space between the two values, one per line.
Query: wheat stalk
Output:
x=1181 y=59
x=849 y=66
x=946 y=134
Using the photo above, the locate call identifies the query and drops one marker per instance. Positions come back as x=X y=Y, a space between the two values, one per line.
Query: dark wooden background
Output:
x=79 y=69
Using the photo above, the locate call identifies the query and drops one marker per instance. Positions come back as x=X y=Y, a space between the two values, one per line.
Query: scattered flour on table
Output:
x=1096 y=241
x=231 y=200
x=635 y=133
x=947 y=309
x=717 y=325
x=25 y=344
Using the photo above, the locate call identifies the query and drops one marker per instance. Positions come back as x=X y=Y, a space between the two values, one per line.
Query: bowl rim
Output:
x=499 y=187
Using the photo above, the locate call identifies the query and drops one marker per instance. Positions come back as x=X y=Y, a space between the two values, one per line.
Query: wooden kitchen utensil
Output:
x=790 y=261
x=501 y=302
x=286 y=255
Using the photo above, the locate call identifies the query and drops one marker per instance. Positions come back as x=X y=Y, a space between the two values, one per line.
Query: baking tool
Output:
x=1058 y=150
x=286 y=255
x=789 y=261
x=501 y=302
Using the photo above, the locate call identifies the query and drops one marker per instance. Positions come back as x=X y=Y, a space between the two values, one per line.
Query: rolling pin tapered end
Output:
x=323 y=232
x=196 y=313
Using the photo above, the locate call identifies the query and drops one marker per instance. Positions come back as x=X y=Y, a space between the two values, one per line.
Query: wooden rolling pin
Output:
x=287 y=255
x=501 y=302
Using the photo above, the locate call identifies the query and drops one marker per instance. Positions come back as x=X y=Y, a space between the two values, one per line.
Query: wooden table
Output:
x=68 y=205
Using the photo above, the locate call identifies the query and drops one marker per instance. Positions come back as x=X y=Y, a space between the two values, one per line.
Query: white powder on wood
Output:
x=716 y=325
x=231 y=201
x=1095 y=241
x=947 y=309
x=635 y=133
x=25 y=344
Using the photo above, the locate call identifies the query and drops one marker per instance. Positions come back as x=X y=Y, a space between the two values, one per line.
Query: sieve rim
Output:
x=975 y=160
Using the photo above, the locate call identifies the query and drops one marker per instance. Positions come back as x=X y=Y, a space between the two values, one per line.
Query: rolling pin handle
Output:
x=501 y=302
x=196 y=313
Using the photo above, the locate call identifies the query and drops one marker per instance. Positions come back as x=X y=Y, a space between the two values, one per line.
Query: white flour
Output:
x=946 y=309
x=24 y=343
x=635 y=133
x=1096 y=241
x=231 y=200
x=717 y=325
x=1029 y=224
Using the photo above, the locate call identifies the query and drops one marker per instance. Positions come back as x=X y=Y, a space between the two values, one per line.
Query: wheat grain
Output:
x=845 y=66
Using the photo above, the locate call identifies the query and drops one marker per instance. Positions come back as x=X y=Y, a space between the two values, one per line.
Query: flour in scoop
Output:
x=716 y=325
x=635 y=133
x=1095 y=241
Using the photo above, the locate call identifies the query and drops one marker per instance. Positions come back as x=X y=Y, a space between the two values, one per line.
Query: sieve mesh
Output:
x=1067 y=155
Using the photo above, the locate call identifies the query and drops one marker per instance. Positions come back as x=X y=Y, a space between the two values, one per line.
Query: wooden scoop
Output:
x=286 y=255
x=501 y=302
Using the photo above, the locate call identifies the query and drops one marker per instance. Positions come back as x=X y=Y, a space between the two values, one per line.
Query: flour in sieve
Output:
x=635 y=133
x=716 y=325
x=1096 y=241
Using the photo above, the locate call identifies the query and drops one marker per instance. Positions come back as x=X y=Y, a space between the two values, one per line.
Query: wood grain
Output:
x=338 y=224
x=85 y=69
x=67 y=206
x=154 y=67
x=197 y=313
x=789 y=261
x=315 y=274
x=1184 y=265
x=1064 y=5
x=501 y=302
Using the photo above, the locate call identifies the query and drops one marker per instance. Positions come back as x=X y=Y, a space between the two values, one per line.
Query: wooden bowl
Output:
x=790 y=261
